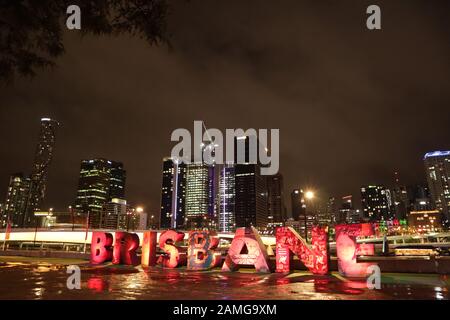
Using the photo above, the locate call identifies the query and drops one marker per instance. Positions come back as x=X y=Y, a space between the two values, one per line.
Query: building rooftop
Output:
x=436 y=154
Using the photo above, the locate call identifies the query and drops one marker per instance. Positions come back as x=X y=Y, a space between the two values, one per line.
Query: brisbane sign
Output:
x=246 y=249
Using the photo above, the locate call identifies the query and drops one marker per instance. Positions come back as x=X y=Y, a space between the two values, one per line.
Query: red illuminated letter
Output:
x=125 y=246
x=246 y=249
x=314 y=257
x=201 y=254
x=148 y=257
x=347 y=249
x=101 y=249
x=167 y=241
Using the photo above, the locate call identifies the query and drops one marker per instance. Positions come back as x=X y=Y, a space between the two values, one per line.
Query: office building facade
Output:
x=173 y=194
x=437 y=169
x=275 y=193
x=227 y=197
x=100 y=181
x=17 y=198
x=376 y=203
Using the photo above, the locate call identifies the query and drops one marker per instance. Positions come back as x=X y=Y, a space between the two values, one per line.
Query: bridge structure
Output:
x=68 y=239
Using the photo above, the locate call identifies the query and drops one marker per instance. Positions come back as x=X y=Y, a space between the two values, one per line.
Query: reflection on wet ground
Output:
x=42 y=280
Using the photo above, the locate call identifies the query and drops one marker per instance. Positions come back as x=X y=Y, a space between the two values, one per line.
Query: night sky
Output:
x=352 y=105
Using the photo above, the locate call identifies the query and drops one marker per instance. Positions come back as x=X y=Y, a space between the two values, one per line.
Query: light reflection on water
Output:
x=46 y=281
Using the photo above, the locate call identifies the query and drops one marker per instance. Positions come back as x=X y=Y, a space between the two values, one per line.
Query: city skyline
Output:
x=318 y=191
x=102 y=184
x=346 y=119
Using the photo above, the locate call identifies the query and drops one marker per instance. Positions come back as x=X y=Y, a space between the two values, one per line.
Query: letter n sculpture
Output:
x=315 y=257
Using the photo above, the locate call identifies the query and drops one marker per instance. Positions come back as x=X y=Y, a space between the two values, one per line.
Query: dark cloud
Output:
x=352 y=105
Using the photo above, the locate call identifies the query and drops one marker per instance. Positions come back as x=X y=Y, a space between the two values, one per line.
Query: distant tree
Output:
x=31 y=32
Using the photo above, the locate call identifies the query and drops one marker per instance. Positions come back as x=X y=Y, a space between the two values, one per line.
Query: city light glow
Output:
x=309 y=195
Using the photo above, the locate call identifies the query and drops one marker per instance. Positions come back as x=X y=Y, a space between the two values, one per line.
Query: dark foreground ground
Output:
x=40 y=278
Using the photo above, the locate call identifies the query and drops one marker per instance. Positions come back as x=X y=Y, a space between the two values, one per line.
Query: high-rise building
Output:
x=276 y=205
x=114 y=215
x=298 y=204
x=227 y=197
x=331 y=209
x=173 y=194
x=345 y=210
x=17 y=198
x=118 y=215
x=251 y=187
x=199 y=205
x=347 y=213
x=419 y=198
x=376 y=203
x=42 y=159
x=400 y=200
x=3 y=218
x=437 y=168
x=251 y=197
x=100 y=181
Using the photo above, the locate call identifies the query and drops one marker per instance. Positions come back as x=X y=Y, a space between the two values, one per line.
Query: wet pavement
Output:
x=46 y=279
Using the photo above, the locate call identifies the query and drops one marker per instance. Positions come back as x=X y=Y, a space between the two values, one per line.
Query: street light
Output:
x=309 y=195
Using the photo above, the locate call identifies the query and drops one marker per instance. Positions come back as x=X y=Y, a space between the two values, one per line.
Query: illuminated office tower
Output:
x=114 y=215
x=298 y=204
x=419 y=198
x=331 y=210
x=376 y=203
x=437 y=168
x=16 y=200
x=199 y=203
x=3 y=217
x=42 y=159
x=100 y=181
x=348 y=213
x=251 y=197
x=250 y=186
x=400 y=199
x=276 y=207
x=173 y=194
x=344 y=211
x=227 y=198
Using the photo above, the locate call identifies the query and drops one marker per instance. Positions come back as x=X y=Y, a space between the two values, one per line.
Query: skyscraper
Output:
x=400 y=199
x=331 y=210
x=251 y=197
x=376 y=203
x=173 y=194
x=199 y=205
x=16 y=200
x=251 y=187
x=100 y=181
x=419 y=198
x=437 y=168
x=227 y=197
x=114 y=215
x=276 y=205
x=345 y=209
x=298 y=204
x=42 y=159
